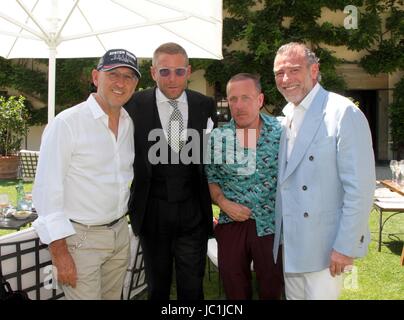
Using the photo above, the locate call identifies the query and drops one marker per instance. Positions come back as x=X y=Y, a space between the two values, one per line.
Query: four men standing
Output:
x=324 y=186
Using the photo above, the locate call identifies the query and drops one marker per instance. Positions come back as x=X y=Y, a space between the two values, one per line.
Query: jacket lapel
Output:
x=196 y=121
x=283 y=150
x=307 y=131
x=147 y=116
x=193 y=116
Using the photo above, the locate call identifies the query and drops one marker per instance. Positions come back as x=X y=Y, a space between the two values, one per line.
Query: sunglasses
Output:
x=179 y=72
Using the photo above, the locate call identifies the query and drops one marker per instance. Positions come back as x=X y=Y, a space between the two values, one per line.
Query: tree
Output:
x=272 y=23
x=72 y=85
x=13 y=124
x=381 y=34
x=396 y=113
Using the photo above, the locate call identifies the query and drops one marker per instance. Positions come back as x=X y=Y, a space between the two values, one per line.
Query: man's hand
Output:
x=63 y=261
x=236 y=211
x=338 y=262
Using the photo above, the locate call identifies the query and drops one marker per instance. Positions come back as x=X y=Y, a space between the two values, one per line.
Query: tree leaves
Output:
x=266 y=25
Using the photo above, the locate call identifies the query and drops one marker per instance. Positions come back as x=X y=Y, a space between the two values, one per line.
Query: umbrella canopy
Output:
x=87 y=28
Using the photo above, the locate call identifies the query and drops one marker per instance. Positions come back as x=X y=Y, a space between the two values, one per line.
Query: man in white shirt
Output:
x=326 y=179
x=82 y=184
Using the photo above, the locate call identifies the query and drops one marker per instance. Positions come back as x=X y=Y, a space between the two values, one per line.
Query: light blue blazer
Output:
x=325 y=191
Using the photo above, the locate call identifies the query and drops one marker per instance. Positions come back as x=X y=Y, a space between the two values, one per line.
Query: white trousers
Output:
x=319 y=285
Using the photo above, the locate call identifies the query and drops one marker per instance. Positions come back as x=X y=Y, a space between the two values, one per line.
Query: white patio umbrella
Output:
x=87 y=28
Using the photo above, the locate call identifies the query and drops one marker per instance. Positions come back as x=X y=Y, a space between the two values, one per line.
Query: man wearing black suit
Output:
x=170 y=206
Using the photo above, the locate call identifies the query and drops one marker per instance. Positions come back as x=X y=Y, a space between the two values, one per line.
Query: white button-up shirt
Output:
x=84 y=172
x=295 y=115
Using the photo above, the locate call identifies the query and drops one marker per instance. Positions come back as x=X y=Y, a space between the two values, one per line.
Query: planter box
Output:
x=9 y=167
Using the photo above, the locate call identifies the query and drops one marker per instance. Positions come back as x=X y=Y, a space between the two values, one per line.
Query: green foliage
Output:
x=396 y=114
x=73 y=80
x=381 y=38
x=263 y=32
x=73 y=83
x=146 y=81
x=368 y=31
x=239 y=7
x=260 y=25
x=13 y=124
x=36 y=117
x=21 y=76
x=389 y=53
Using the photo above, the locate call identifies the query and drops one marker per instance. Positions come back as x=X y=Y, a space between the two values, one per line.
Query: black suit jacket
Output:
x=142 y=108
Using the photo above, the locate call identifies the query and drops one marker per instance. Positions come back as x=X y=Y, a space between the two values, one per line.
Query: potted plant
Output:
x=13 y=128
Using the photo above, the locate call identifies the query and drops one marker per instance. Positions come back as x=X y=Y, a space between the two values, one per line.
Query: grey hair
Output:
x=310 y=56
x=169 y=48
x=247 y=76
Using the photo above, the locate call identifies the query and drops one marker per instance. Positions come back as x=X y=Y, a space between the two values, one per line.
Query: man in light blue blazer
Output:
x=326 y=179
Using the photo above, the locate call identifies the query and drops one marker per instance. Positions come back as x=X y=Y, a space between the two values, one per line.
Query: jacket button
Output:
x=311 y=158
x=304 y=188
x=305 y=215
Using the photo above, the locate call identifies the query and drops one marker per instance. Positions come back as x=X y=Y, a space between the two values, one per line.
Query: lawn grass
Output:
x=378 y=276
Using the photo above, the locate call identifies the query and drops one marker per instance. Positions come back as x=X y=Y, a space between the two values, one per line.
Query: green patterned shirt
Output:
x=247 y=176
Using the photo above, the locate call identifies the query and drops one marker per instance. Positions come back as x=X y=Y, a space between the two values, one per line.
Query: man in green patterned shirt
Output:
x=242 y=169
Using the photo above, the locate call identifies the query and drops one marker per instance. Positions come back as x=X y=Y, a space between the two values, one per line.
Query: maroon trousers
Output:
x=238 y=246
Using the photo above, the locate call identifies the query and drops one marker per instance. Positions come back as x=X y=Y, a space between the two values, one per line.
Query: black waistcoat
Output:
x=173 y=182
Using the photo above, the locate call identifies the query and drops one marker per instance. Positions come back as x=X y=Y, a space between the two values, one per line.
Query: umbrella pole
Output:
x=51 y=84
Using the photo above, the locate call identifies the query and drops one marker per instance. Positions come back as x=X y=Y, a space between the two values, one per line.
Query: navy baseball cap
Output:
x=116 y=58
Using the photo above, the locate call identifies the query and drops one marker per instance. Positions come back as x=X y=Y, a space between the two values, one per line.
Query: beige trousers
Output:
x=101 y=255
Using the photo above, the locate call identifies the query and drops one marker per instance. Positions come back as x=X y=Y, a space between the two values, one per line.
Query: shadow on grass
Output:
x=395 y=245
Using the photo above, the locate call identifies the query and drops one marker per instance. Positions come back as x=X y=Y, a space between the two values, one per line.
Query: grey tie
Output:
x=175 y=127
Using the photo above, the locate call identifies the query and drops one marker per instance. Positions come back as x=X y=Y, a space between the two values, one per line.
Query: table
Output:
x=17 y=224
x=393 y=186
x=395 y=205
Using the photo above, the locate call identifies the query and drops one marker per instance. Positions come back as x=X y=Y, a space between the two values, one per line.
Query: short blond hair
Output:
x=169 y=48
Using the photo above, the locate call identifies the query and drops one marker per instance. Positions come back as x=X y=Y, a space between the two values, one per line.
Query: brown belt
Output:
x=110 y=224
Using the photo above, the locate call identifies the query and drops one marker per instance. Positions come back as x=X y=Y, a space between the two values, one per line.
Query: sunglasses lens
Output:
x=164 y=72
x=180 y=72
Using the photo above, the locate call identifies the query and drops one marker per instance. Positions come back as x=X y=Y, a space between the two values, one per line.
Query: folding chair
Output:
x=26 y=264
x=135 y=280
x=28 y=164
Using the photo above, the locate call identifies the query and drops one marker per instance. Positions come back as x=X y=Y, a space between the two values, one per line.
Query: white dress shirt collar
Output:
x=306 y=102
x=97 y=111
x=160 y=97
